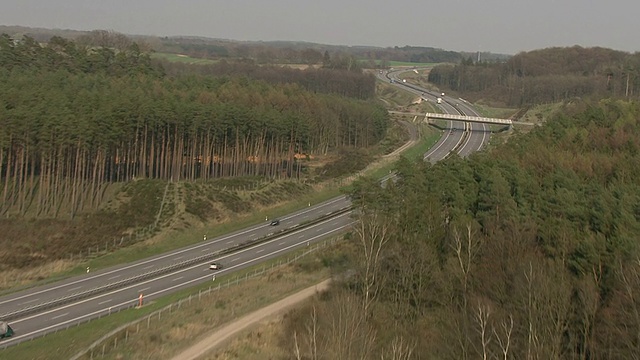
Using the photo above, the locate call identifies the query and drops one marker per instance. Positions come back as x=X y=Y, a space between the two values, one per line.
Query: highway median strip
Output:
x=165 y=270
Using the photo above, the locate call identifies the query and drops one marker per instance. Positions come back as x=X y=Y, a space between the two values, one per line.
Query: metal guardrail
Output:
x=9 y=342
x=165 y=270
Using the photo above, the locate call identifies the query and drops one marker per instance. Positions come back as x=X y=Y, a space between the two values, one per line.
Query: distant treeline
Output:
x=343 y=81
x=308 y=53
x=543 y=76
x=75 y=118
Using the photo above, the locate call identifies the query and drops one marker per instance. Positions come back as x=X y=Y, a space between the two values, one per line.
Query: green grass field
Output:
x=406 y=63
x=181 y=58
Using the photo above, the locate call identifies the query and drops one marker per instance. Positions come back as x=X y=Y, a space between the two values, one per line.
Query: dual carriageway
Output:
x=37 y=311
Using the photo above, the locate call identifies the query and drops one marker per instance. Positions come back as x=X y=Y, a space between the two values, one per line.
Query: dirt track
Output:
x=231 y=329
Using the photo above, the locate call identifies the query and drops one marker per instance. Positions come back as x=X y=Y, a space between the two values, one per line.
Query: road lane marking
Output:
x=259 y=251
x=113 y=277
x=230 y=236
x=186 y=269
x=104 y=302
x=75 y=288
x=59 y=316
x=236 y=259
x=141 y=290
x=30 y=301
x=207 y=249
x=148 y=267
x=178 y=278
x=178 y=258
x=45 y=329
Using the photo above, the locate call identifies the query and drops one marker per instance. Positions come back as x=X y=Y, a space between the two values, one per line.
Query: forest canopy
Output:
x=75 y=118
x=545 y=76
x=526 y=251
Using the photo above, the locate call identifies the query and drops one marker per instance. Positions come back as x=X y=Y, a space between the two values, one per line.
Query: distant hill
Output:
x=261 y=51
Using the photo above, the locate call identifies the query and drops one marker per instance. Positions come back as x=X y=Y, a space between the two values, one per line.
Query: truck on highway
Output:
x=5 y=330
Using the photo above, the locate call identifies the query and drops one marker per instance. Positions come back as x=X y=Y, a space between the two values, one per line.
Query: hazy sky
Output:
x=499 y=26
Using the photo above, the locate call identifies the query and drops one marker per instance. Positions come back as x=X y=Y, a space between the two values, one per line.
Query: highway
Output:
x=127 y=297
x=96 y=279
x=478 y=134
x=101 y=292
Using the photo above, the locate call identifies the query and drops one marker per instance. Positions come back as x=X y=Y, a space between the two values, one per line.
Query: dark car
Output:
x=275 y=222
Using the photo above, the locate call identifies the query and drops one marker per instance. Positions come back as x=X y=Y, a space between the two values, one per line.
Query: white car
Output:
x=215 y=266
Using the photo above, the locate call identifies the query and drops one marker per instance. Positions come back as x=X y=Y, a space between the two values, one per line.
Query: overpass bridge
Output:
x=465 y=118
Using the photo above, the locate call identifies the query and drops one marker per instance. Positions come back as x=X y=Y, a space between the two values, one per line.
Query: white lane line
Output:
x=104 y=302
x=207 y=249
x=236 y=259
x=259 y=251
x=59 y=316
x=229 y=242
x=30 y=301
x=230 y=236
x=113 y=277
x=75 y=288
x=141 y=290
x=178 y=278
x=253 y=235
x=282 y=243
x=148 y=267
x=300 y=237
x=15 y=338
x=178 y=258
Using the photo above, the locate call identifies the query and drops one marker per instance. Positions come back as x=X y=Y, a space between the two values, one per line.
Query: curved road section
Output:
x=102 y=292
x=463 y=138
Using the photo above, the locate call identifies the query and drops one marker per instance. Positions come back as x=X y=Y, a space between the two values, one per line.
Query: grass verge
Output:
x=177 y=239
x=181 y=58
x=162 y=334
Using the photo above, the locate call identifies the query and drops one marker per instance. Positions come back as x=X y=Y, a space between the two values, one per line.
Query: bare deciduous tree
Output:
x=398 y=350
x=482 y=315
x=547 y=309
x=372 y=236
x=504 y=338
x=349 y=335
x=465 y=248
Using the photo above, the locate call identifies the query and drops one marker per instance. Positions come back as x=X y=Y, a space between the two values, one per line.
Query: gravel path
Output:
x=231 y=329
